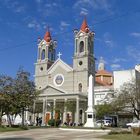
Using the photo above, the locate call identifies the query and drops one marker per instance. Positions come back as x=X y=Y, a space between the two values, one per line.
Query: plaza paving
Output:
x=50 y=134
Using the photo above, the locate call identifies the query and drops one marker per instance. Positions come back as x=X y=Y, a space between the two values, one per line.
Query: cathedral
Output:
x=64 y=88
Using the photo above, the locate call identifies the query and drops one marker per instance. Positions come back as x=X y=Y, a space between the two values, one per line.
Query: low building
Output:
x=103 y=89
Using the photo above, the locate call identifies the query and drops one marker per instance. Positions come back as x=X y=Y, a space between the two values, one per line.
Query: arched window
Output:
x=80 y=87
x=81 y=46
x=43 y=55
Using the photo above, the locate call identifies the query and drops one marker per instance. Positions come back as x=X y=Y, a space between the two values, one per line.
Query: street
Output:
x=50 y=134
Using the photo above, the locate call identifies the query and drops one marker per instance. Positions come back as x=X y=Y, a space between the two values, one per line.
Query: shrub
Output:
x=54 y=122
x=119 y=132
x=15 y=126
x=24 y=127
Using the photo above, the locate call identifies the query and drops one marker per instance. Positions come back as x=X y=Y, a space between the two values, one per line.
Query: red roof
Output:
x=103 y=72
x=101 y=82
x=47 y=36
x=84 y=26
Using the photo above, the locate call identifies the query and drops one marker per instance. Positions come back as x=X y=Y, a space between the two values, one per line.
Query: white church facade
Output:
x=61 y=84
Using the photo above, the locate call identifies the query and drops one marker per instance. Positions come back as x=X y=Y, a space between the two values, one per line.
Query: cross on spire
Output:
x=59 y=55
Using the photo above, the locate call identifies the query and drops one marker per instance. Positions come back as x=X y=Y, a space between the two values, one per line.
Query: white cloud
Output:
x=20 y=9
x=135 y=34
x=109 y=43
x=119 y=60
x=95 y=4
x=50 y=5
x=63 y=25
x=84 y=11
x=134 y=53
x=31 y=25
x=108 y=40
x=115 y=66
x=47 y=8
x=38 y=1
x=15 y=6
x=34 y=24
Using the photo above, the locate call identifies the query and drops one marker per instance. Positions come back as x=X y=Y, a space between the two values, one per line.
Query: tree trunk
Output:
x=0 y=116
x=9 y=120
x=22 y=116
x=136 y=113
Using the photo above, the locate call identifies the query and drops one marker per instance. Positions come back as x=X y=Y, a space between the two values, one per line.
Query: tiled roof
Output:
x=103 y=72
x=47 y=36
x=101 y=82
x=84 y=26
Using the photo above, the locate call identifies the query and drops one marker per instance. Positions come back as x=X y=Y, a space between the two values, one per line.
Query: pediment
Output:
x=51 y=90
x=59 y=63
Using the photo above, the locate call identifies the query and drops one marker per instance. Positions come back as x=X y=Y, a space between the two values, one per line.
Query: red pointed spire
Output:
x=84 y=26
x=47 y=36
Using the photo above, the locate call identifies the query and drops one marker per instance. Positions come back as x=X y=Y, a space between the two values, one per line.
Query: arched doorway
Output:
x=80 y=116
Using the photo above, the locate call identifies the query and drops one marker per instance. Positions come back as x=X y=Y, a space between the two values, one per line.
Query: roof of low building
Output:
x=103 y=72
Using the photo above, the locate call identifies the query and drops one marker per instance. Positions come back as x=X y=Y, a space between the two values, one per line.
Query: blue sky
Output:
x=116 y=24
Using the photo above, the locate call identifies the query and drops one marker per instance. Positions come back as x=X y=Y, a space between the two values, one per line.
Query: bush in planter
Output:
x=54 y=122
x=136 y=130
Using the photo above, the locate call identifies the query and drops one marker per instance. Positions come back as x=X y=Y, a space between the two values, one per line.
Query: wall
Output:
x=121 y=77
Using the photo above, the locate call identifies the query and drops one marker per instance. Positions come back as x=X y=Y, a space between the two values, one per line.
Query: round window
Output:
x=80 y=63
x=58 y=80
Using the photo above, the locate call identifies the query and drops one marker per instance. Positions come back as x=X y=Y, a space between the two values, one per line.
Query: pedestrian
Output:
x=40 y=121
x=37 y=121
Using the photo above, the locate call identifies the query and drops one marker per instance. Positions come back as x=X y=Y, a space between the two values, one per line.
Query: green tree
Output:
x=103 y=110
x=16 y=95
x=25 y=91
x=128 y=99
x=6 y=97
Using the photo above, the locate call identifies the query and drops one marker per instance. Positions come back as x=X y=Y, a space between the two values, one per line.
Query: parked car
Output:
x=133 y=124
x=100 y=123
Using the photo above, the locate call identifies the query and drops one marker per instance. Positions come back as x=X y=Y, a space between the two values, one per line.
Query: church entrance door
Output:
x=48 y=116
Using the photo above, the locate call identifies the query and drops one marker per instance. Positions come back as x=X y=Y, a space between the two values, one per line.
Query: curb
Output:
x=88 y=130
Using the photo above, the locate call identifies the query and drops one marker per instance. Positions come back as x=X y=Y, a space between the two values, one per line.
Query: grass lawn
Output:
x=121 y=137
x=5 y=129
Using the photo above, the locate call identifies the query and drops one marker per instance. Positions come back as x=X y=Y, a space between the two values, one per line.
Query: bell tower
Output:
x=83 y=54
x=46 y=57
x=83 y=60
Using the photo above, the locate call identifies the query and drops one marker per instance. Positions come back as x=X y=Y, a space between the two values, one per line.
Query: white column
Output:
x=83 y=117
x=65 y=112
x=90 y=111
x=90 y=93
x=77 y=111
x=46 y=106
x=43 y=114
x=54 y=104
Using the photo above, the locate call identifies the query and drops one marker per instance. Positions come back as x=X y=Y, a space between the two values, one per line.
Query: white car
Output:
x=100 y=123
x=133 y=124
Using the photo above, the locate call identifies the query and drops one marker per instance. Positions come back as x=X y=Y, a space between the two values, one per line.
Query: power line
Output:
x=17 y=46
x=109 y=18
